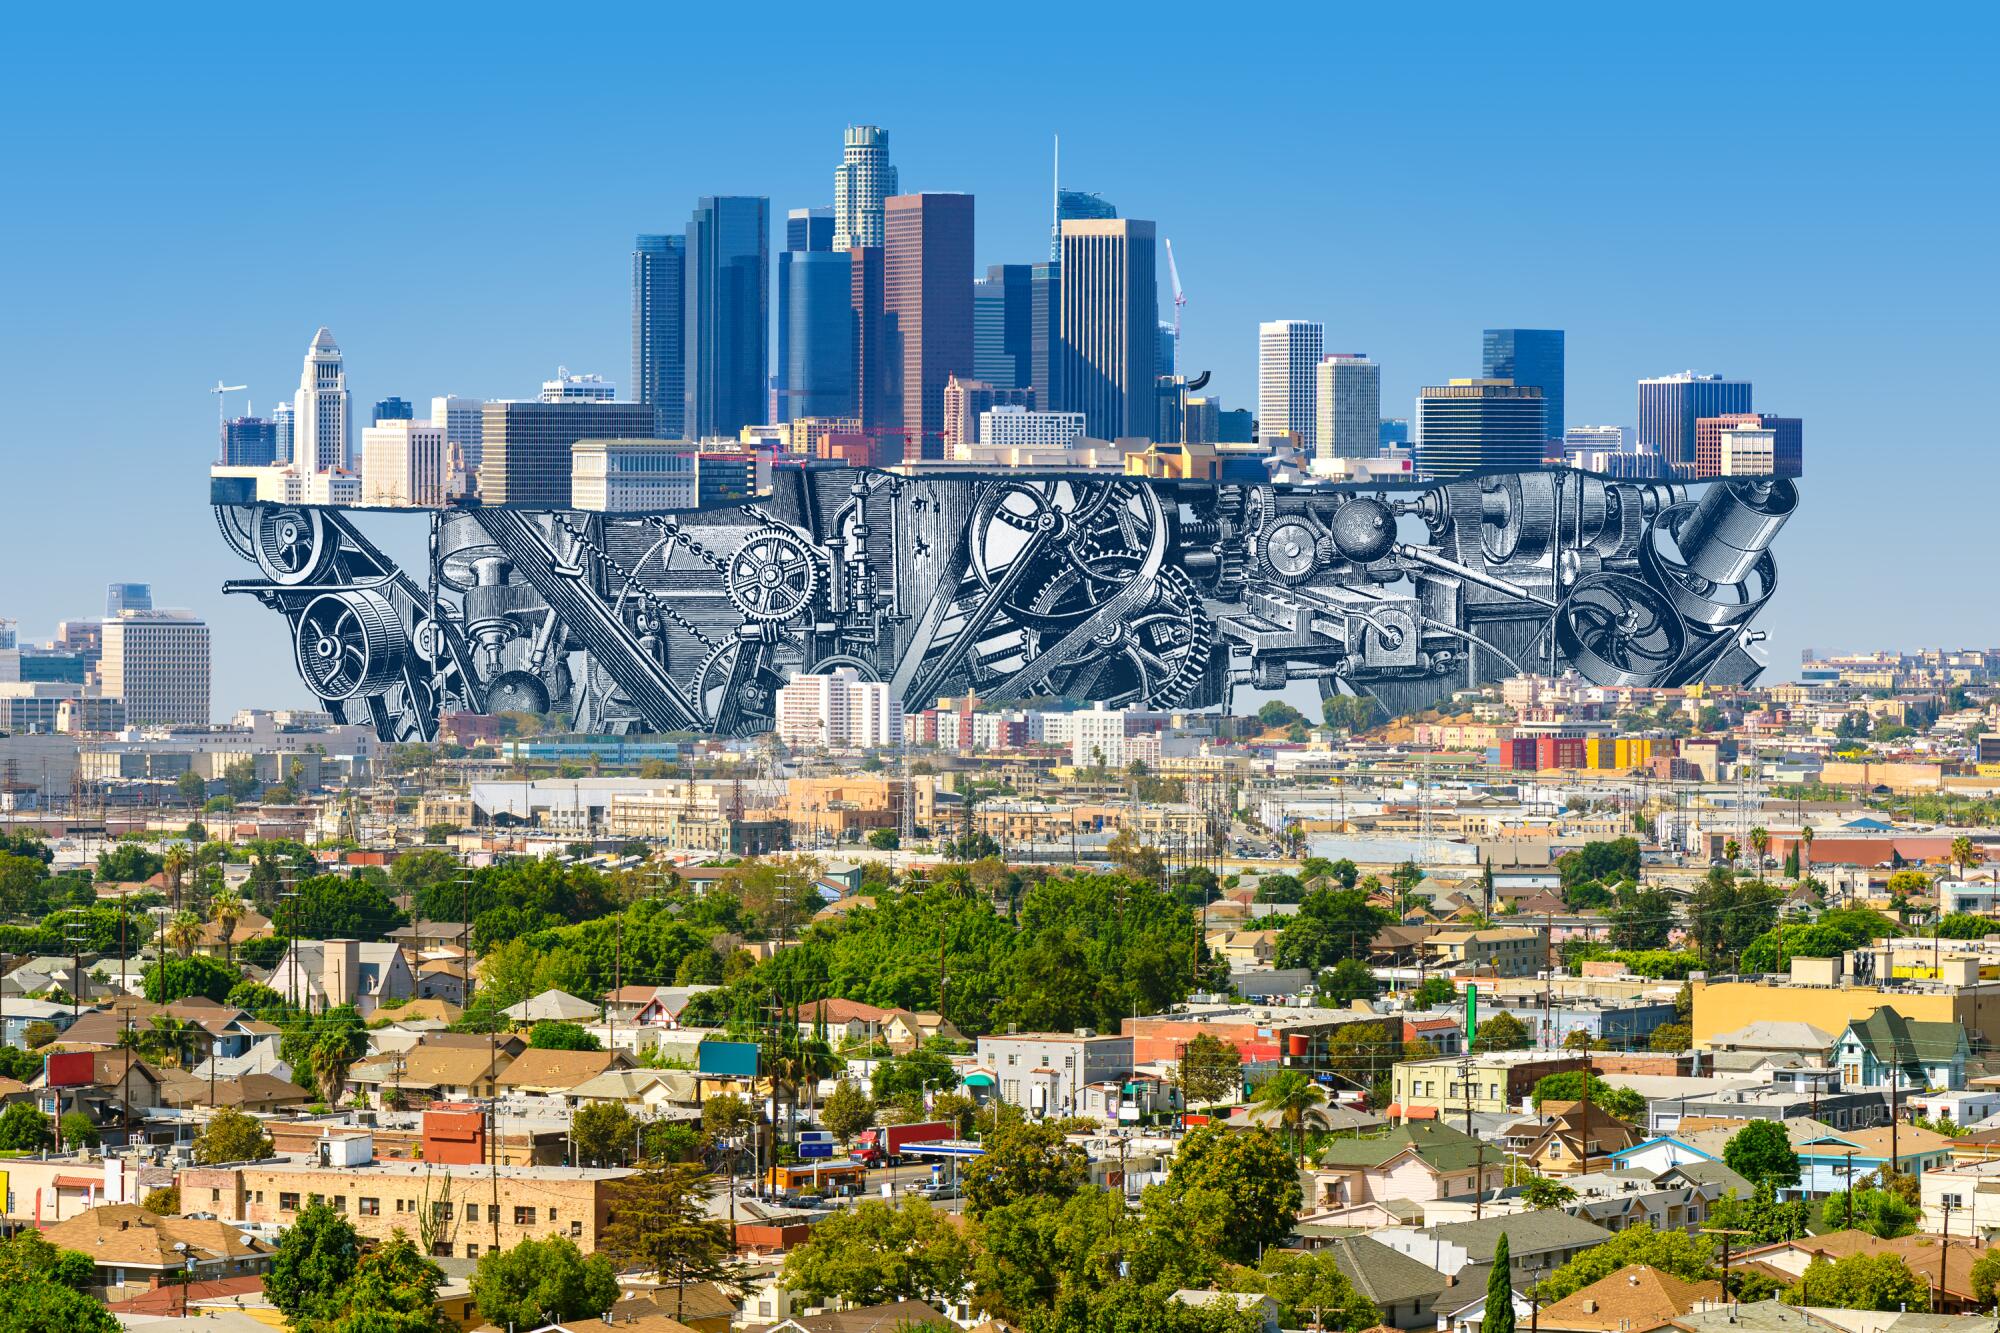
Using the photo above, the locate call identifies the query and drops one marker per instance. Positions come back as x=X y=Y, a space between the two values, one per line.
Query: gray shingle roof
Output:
x=1527 y=1233
x=1385 y=1276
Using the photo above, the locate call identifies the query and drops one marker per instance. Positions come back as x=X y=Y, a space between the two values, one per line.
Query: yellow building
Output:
x=1820 y=992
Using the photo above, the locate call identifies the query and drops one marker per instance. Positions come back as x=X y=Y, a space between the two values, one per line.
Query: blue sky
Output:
x=1803 y=198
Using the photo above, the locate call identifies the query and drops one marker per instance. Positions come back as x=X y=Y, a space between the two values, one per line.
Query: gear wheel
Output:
x=1289 y=549
x=1154 y=656
x=773 y=575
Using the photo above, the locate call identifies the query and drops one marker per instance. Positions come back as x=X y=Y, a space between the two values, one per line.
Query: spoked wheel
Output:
x=1618 y=630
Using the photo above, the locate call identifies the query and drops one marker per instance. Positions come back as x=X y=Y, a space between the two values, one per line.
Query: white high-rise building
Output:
x=568 y=388
x=1288 y=355
x=1097 y=736
x=281 y=427
x=158 y=663
x=633 y=476
x=839 y=709
x=403 y=464
x=1348 y=419
x=322 y=433
x=862 y=181
x=1010 y=426
x=463 y=431
x=1597 y=439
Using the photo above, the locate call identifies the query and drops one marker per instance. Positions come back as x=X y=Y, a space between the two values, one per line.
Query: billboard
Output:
x=72 y=1069
x=1126 y=591
x=728 y=1059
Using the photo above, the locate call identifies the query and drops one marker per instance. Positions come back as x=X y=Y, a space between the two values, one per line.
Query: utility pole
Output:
x=1725 y=1233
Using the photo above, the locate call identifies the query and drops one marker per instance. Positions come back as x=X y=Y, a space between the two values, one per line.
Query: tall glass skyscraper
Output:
x=1077 y=206
x=659 y=367
x=1045 y=335
x=807 y=231
x=927 y=289
x=1110 y=327
x=1530 y=357
x=1670 y=405
x=728 y=314
x=816 y=378
x=1003 y=326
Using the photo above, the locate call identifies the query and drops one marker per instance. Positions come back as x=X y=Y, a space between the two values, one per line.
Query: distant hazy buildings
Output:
x=321 y=424
x=839 y=709
x=282 y=428
x=463 y=422
x=1469 y=425
x=728 y=313
x=1604 y=439
x=1529 y=357
x=966 y=401
x=927 y=290
x=861 y=183
x=1288 y=354
x=659 y=356
x=403 y=463
x=568 y=388
x=1670 y=405
x=1348 y=419
x=158 y=663
x=393 y=409
x=1110 y=317
x=1077 y=206
x=527 y=446
x=622 y=476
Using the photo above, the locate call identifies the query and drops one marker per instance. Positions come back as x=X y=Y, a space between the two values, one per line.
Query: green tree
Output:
x=1252 y=1174
x=1208 y=1070
x=1687 y=1257
x=1541 y=1193
x=1671 y=1037
x=1499 y=1292
x=1761 y=1215
x=1502 y=1032
x=1642 y=919
x=27 y=1257
x=1878 y=1212
x=1605 y=862
x=1289 y=1096
x=876 y=1252
x=1349 y=980
x=884 y=839
x=77 y=1130
x=173 y=979
x=912 y=1074
x=315 y=1261
x=25 y=1129
x=394 y=1291
x=1858 y=1282
x=1312 y=1292
x=48 y=1307
x=847 y=1110
x=162 y=1202
x=1762 y=1151
x=231 y=1136
x=1330 y=925
x=1435 y=993
x=660 y=1219
x=1986 y=1276
x=554 y=1035
x=1024 y=1160
x=542 y=1282
x=128 y=863
x=602 y=1133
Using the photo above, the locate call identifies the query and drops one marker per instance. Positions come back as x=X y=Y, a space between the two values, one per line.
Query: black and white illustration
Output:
x=1015 y=587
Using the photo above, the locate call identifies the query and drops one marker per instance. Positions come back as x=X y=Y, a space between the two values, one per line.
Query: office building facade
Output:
x=1670 y=405
x=1531 y=357
x=320 y=422
x=808 y=231
x=119 y=597
x=1288 y=356
x=628 y=476
x=877 y=383
x=249 y=442
x=1473 y=425
x=1003 y=326
x=282 y=429
x=403 y=464
x=568 y=388
x=527 y=446
x=1045 y=333
x=659 y=356
x=1347 y=419
x=862 y=182
x=965 y=401
x=1010 y=427
x=393 y=409
x=1110 y=314
x=463 y=421
x=927 y=291
x=728 y=314
x=816 y=376
x=158 y=663
x=1786 y=445
x=1077 y=206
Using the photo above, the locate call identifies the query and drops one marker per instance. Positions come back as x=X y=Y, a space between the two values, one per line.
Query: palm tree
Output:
x=1760 y=841
x=225 y=909
x=169 y=1039
x=1289 y=1095
x=1962 y=853
x=1732 y=852
x=183 y=932
x=1805 y=852
x=176 y=865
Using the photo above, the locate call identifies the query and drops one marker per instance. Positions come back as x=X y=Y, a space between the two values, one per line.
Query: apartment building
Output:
x=1045 y=1072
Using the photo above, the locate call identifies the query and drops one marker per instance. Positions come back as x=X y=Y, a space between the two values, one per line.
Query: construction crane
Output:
x=1180 y=297
x=221 y=408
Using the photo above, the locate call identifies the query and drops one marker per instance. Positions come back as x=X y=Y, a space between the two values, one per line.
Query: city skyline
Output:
x=422 y=308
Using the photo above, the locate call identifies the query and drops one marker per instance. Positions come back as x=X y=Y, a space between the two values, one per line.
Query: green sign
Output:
x=1471 y=1013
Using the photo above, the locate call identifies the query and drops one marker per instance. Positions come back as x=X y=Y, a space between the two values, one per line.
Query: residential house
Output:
x=1580 y=1137
x=422 y=936
x=1488 y=1082
x=252 y=925
x=893 y=1317
x=1638 y=1298
x=1245 y=948
x=254 y=1093
x=319 y=974
x=135 y=1250
x=554 y=1006
x=1493 y=951
x=1916 y=1054
x=650 y=1094
x=1964 y=1196
x=1620 y=1200
x=1945 y=1270
x=1782 y=1042
x=1407 y=1291
x=1261 y=1308
x=443 y=1066
x=1829 y=1162
x=1044 y=1072
x=548 y=1073
x=1536 y=1241
x=664 y=1009
x=121 y=1087
x=1420 y=1160
x=17 y=1015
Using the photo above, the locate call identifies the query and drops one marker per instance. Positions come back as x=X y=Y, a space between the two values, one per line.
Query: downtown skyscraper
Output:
x=1532 y=357
x=1348 y=416
x=861 y=183
x=1288 y=352
x=659 y=314
x=728 y=314
x=1110 y=326
x=322 y=430
x=815 y=364
x=1670 y=405
x=927 y=292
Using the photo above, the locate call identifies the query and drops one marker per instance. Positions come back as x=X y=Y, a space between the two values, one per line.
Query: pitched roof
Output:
x=1894 y=1039
x=1438 y=1145
x=551 y=1004
x=888 y=1318
x=1526 y=1233
x=1710 y=1172
x=1385 y=1276
x=535 y=1068
x=1635 y=1299
x=124 y=1234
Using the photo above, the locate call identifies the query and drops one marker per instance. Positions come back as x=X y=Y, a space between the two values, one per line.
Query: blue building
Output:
x=1670 y=405
x=394 y=409
x=1529 y=357
x=249 y=442
x=1394 y=431
x=1003 y=327
x=728 y=314
x=816 y=378
x=659 y=277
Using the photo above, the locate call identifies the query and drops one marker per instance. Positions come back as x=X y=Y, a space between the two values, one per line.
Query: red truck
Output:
x=884 y=1146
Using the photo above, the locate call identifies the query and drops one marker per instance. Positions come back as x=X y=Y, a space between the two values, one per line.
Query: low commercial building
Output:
x=1490 y=1082
x=1045 y=1072
x=1507 y=951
